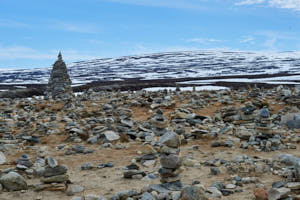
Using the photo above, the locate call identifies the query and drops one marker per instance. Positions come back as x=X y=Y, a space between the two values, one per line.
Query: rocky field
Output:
x=167 y=145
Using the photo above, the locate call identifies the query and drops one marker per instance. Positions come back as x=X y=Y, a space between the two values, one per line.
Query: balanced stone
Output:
x=170 y=161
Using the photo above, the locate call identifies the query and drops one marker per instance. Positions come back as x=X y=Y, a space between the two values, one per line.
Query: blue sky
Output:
x=33 y=31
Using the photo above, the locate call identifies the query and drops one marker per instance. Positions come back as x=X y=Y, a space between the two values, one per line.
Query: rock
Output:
x=78 y=148
x=55 y=179
x=13 y=182
x=52 y=162
x=87 y=166
x=24 y=160
x=278 y=184
x=292 y=124
x=214 y=170
x=293 y=185
x=111 y=135
x=2 y=159
x=170 y=161
x=195 y=192
x=58 y=170
x=278 y=193
x=147 y=196
x=214 y=192
x=131 y=173
x=73 y=189
x=170 y=139
x=260 y=194
x=264 y=113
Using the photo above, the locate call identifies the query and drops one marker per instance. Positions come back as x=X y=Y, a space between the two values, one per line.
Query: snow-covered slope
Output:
x=165 y=65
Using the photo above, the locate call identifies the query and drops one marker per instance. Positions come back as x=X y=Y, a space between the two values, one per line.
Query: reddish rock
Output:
x=260 y=194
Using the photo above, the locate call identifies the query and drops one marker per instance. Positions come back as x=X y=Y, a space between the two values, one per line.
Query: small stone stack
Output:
x=159 y=123
x=55 y=176
x=263 y=122
x=170 y=161
x=59 y=85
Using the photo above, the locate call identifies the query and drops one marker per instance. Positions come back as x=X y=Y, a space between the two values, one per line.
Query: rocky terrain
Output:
x=225 y=144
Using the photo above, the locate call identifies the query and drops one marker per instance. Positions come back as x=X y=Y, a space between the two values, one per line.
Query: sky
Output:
x=32 y=32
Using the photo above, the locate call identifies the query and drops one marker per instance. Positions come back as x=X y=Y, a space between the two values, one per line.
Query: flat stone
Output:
x=131 y=173
x=58 y=170
x=293 y=185
x=111 y=135
x=278 y=193
x=55 y=179
x=170 y=161
x=73 y=189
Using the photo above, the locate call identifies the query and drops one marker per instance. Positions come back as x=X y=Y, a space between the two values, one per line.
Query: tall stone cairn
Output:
x=170 y=161
x=59 y=85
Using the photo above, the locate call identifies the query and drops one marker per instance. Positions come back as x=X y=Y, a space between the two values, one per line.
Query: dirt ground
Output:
x=109 y=181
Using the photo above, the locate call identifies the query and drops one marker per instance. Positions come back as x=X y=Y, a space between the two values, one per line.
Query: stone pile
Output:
x=170 y=161
x=59 y=85
x=55 y=176
x=159 y=123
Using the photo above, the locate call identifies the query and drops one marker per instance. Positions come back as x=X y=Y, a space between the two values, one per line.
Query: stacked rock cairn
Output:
x=263 y=123
x=159 y=123
x=170 y=161
x=55 y=176
x=59 y=85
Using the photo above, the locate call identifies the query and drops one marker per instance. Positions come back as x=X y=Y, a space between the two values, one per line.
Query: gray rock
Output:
x=58 y=170
x=264 y=113
x=111 y=135
x=293 y=185
x=292 y=124
x=73 y=189
x=147 y=196
x=214 y=192
x=278 y=193
x=55 y=179
x=13 y=182
x=52 y=162
x=78 y=148
x=131 y=173
x=24 y=160
x=170 y=161
x=2 y=159
x=194 y=192
x=170 y=139
x=87 y=166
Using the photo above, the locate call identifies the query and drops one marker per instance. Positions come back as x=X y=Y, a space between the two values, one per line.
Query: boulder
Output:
x=13 y=182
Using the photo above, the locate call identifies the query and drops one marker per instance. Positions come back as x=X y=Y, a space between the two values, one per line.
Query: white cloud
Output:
x=250 y=2
x=7 y=23
x=203 y=40
x=287 y=4
x=247 y=39
x=180 y=4
x=75 y=27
